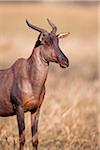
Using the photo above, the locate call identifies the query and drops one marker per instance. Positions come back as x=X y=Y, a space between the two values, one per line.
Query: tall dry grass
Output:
x=70 y=114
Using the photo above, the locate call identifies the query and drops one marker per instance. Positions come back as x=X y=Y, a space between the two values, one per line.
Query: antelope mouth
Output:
x=64 y=64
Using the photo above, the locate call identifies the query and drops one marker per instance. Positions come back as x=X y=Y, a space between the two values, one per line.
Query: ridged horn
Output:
x=54 y=28
x=36 y=28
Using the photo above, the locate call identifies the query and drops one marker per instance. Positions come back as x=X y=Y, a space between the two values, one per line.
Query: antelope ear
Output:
x=62 y=35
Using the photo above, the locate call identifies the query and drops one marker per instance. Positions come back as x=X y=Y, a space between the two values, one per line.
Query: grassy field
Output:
x=70 y=114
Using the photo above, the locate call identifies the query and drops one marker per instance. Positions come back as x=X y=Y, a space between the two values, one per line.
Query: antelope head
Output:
x=50 y=41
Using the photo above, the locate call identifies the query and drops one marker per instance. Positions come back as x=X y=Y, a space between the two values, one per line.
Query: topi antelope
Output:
x=22 y=86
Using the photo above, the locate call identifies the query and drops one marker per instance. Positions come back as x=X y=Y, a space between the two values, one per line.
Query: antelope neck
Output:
x=38 y=70
x=37 y=58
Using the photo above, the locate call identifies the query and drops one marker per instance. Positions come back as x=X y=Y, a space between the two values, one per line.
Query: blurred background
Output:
x=70 y=114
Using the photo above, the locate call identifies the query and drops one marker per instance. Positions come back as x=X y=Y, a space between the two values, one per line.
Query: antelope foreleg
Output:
x=34 y=128
x=21 y=125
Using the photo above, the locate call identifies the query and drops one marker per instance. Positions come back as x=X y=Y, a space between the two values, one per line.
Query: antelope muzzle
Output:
x=62 y=60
